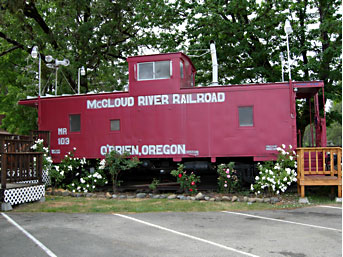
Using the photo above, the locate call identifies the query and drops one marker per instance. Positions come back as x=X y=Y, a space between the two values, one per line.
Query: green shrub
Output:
x=227 y=178
x=188 y=182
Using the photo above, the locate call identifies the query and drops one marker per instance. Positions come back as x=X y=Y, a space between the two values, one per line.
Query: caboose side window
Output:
x=154 y=70
x=181 y=69
x=115 y=125
x=246 y=116
x=74 y=123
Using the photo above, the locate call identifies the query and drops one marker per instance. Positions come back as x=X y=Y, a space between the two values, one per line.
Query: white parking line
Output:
x=36 y=241
x=284 y=221
x=328 y=206
x=186 y=235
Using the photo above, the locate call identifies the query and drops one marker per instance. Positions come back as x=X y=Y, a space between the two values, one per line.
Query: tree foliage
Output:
x=334 y=131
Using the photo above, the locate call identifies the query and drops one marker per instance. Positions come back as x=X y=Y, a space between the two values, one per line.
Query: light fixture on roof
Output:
x=64 y=62
x=80 y=72
x=35 y=54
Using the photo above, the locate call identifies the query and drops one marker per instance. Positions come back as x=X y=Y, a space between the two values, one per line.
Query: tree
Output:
x=96 y=34
x=334 y=131
x=116 y=163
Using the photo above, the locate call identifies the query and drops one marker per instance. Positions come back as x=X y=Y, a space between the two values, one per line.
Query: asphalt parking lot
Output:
x=311 y=231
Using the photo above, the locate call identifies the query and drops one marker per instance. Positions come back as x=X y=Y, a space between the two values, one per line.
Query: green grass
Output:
x=95 y=205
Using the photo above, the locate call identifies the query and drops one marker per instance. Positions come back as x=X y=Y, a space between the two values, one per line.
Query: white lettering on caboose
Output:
x=145 y=149
x=152 y=100
x=110 y=103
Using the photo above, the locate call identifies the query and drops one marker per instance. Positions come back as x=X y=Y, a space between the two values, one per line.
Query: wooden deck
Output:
x=319 y=166
x=21 y=178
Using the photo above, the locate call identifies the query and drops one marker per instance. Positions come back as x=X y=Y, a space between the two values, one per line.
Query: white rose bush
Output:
x=38 y=146
x=276 y=177
x=74 y=174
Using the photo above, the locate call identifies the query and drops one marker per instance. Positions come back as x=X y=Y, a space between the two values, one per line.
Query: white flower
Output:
x=87 y=185
x=74 y=148
x=290 y=146
x=257 y=178
x=102 y=164
x=73 y=190
x=94 y=180
x=34 y=147
x=62 y=173
x=70 y=167
x=277 y=192
x=49 y=159
x=57 y=168
x=283 y=146
x=93 y=186
x=72 y=184
x=252 y=187
x=288 y=170
x=82 y=180
x=285 y=179
x=258 y=192
x=291 y=158
x=77 y=174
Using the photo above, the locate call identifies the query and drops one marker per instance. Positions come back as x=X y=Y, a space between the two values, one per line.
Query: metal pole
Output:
x=56 y=81
x=78 y=80
x=39 y=75
x=289 y=60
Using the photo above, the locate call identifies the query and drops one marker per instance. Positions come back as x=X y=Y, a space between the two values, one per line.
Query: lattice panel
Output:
x=27 y=182
x=24 y=194
x=46 y=178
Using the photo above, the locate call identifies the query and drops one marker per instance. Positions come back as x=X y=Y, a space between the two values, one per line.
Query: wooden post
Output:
x=39 y=167
x=3 y=170
x=301 y=164
x=339 y=171
x=302 y=191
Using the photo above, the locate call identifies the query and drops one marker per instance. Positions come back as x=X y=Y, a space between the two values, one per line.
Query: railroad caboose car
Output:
x=164 y=118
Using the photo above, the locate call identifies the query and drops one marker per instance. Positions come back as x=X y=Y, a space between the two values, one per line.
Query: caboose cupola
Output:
x=160 y=73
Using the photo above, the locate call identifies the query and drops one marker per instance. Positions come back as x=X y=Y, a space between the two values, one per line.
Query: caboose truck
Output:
x=163 y=118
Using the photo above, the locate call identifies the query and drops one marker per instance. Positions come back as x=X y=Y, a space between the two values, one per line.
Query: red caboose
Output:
x=165 y=118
